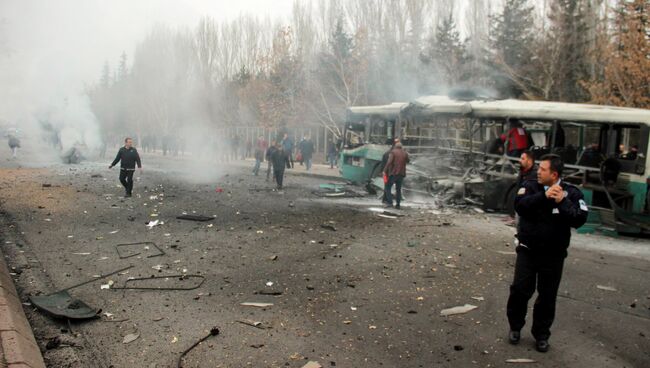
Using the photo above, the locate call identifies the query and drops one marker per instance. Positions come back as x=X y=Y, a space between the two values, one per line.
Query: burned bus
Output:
x=457 y=146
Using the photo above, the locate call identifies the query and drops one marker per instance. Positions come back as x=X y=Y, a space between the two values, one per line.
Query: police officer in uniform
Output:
x=548 y=208
x=128 y=156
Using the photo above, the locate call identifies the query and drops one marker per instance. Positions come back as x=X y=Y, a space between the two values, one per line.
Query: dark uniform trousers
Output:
x=126 y=178
x=534 y=271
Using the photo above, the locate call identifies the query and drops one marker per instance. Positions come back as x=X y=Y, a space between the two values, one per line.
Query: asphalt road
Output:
x=353 y=289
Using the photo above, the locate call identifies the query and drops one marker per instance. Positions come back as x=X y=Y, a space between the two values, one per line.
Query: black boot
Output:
x=542 y=345
x=514 y=337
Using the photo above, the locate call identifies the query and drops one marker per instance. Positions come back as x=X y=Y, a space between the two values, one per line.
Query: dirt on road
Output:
x=348 y=286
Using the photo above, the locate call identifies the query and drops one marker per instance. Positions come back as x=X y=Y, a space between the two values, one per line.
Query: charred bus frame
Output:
x=438 y=131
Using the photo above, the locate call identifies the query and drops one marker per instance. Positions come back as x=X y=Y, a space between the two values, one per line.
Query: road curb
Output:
x=18 y=347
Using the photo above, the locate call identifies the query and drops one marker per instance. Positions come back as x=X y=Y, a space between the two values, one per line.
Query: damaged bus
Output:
x=458 y=151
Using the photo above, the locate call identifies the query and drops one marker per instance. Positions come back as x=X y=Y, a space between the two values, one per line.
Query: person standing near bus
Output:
x=128 y=157
x=548 y=208
x=395 y=169
x=516 y=139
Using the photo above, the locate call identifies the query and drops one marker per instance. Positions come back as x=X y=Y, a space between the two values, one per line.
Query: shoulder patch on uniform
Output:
x=521 y=191
x=583 y=205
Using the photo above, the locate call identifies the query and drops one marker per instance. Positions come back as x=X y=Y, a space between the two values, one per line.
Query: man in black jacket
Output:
x=128 y=156
x=280 y=158
x=548 y=209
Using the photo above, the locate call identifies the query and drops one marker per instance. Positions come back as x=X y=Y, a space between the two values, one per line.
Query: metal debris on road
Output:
x=606 y=288
x=62 y=305
x=214 y=331
x=164 y=279
x=520 y=360
x=145 y=247
x=458 y=310
x=258 y=305
x=194 y=218
x=256 y=324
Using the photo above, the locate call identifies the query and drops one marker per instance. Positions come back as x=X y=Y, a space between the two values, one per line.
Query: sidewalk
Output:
x=321 y=171
x=18 y=348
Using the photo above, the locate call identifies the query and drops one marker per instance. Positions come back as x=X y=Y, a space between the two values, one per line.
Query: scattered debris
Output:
x=520 y=360
x=479 y=298
x=458 y=310
x=194 y=218
x=269 y=283
x=214 y=331
x=312 y=365
x=255 y=324
x=151 y=224
x=62 y=305
x=258 y=305
x=132 y=245
x=328 y=227
x=458 y=347
x=163 y=279
x=47 y=185
x=607 y=288
x=130 y=338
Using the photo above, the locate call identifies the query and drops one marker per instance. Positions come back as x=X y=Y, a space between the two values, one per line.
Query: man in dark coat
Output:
x=280 y=160
x=548 y=208
x=395 y=169
x=307 y=151
x=129 y=157
x=268 y=155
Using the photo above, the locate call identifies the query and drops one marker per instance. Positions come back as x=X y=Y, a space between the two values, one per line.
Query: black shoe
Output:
x=542 y=346
x=127 y=195
x=397 y=207
x=514 y=337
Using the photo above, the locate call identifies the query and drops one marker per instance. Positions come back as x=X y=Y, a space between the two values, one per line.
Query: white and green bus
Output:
x=605 y=149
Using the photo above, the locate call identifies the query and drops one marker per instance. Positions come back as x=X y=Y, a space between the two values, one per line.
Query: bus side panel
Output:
x=639 y=191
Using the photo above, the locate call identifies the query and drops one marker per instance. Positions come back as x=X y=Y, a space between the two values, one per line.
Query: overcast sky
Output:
x=54 y=47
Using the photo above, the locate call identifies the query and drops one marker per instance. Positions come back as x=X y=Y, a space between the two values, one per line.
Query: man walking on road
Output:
x=307 y=151
x=548 y=208
x=128 y=156
x=395 y=169
x=14 y=144
x=260 y=150
x=280 y=160
x=287 y=145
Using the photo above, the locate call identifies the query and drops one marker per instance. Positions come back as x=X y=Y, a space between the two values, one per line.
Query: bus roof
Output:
x=390 y=110
x=534 y=110
x=439 y=105
x=541 y=110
